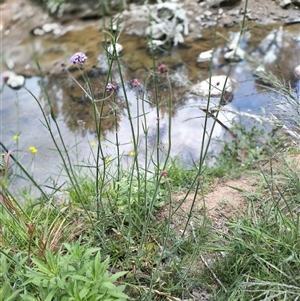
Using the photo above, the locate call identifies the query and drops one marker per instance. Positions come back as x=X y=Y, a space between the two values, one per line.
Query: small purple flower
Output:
x=164 y=173
x=162 y=68
x=78 y=58
x=110 y=87
x=135 y=83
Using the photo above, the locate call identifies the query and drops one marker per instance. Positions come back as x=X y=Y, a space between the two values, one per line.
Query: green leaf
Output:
x=116 y=276
x=28 y=297
x=82 y=278
x=76 y=292
x=90 y=251
x=96 y=266
x=84 y=292
x=6 y=293
x=42 y=266
x=103 y=267
x=51 y=295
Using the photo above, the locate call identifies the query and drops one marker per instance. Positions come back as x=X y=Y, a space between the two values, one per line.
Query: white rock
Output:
x=156 y=30
x=155 y=43
x=48 y=27
x=13 y=80
x=234 y=43
x=285 y=3
x=112 y=47
x=208 y=13
x=214 y=86
x=297 y=71
x=205 y=56
x=38 y=32
x=178 y=37
x=235 y=55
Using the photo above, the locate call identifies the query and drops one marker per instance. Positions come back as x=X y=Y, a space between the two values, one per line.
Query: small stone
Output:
x=214 y=86
x=48 y=27
x=38 y=31
x=205 y=56
x=198 y=19
x=234 y=12
x=235 y=55
x=227 y=22
x=251 y=18
x=285 y=3
x=13 y=80
x=297 y=72
x=207 y=13
x=118 y=48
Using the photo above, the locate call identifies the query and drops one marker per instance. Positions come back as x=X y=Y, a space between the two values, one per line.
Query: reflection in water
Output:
x=75 y=112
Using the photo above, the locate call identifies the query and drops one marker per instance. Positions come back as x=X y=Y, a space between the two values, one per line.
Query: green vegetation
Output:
x=138 y=226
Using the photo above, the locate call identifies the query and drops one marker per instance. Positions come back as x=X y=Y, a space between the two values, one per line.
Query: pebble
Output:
x=207 y=13
x=214 y=86
x=297 y=72
x=13 y=80
x=285 y=3
x=118 y=47
x=205 y=56
x=235 y=55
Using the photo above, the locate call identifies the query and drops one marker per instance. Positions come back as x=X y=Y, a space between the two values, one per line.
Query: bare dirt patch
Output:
x=226 y=201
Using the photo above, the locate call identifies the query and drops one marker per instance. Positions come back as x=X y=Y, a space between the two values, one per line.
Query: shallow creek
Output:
x=21 y=116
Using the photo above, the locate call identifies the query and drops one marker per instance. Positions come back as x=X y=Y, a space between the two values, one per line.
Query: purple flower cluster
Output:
x=78 y=58
x=110 y=87
x=135 y=83
x=162 y=68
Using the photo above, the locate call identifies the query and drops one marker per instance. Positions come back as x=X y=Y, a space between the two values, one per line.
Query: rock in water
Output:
x=297 y=71
x=13 y=80
x=205 y=56
x=216 y=86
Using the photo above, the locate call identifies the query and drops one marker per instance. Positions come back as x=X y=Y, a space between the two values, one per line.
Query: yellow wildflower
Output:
x=93 y=143
x=107 y=159
x=33 y=150
x=16 y=137
x=132 y=153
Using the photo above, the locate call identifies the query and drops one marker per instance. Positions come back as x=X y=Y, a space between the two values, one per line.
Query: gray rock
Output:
x=227 y=22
